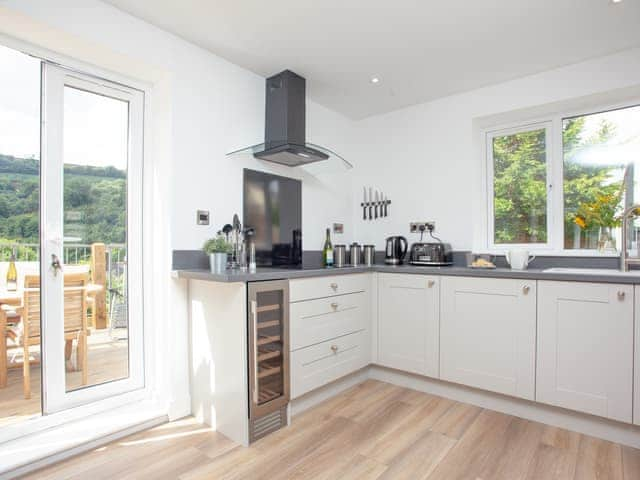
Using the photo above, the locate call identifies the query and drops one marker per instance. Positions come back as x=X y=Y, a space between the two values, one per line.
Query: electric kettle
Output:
x=395 y=250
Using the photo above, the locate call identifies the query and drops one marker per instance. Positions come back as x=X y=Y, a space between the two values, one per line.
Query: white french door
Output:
x=91 y=198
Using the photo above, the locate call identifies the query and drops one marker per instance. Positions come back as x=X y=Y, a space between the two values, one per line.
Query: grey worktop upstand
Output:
x=262 y=274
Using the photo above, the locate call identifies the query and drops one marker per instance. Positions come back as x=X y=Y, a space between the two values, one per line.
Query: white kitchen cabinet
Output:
x=488 y=334
x=585 y=348
x=408 y=323
x=322 y=319
x=329 y=329
x=320 y=364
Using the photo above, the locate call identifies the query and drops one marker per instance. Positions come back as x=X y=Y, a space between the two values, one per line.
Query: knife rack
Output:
x=375 y=210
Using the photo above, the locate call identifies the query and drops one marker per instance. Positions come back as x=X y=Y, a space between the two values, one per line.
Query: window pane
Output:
x=95 y=234
x=19 y=237
x=520 y=187
x=597 y=148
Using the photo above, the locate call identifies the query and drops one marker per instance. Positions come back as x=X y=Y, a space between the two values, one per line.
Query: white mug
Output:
x=519 y=259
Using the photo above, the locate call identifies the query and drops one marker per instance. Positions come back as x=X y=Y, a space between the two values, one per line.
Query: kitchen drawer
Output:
x=320 y=287
x=316 y=321
x=315 y=366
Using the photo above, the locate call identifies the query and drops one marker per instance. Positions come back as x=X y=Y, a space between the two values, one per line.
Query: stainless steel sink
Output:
x=592 y=271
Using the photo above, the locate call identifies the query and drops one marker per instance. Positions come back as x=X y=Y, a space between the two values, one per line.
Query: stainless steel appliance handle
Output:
x=254 y=321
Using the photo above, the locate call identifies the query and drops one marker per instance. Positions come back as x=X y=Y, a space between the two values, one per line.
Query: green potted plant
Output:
x=218 y=249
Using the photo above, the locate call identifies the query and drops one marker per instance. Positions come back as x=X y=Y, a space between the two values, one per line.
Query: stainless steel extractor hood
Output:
x=285 y=126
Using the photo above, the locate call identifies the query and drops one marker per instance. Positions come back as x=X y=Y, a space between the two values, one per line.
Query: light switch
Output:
x=202 y=217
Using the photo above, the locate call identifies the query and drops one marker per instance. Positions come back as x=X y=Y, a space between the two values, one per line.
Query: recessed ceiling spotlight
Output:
x=375 y=80
x=616 y=1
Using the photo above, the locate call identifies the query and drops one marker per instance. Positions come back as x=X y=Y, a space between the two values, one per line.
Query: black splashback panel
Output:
x=272 y=206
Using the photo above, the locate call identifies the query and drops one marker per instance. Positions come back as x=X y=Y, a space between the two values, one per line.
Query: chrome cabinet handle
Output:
x=621 y=295
x=526 y=289
x=334 y=305
x=334 y=286
x=431 y=283
x=334 y=348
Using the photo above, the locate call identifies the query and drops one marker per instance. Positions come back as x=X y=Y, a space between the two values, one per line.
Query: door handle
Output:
x=56 y=266
x=254 y=321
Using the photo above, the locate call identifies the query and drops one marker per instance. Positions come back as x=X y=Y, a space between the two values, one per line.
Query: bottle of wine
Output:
x=327 y=251
x=12 y=274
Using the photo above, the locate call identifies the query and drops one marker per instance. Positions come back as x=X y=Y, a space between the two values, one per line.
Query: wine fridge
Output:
x=268 y=356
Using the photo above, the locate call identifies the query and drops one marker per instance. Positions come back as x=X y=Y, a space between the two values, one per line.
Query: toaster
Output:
x=430 y=254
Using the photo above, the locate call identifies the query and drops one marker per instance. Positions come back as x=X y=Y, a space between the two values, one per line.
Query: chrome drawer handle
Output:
x=526 y=289
x=621 y=295
x=334 y=305
x=334 y=348
x=334 y=286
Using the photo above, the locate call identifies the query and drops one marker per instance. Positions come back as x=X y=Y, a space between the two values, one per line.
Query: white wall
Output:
x=426 y=156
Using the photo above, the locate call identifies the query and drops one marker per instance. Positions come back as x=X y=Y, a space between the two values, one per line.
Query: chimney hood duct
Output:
x=285 y=127
x=285 y=122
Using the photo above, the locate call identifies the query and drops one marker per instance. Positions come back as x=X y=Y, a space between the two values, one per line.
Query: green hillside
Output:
x=94 y=201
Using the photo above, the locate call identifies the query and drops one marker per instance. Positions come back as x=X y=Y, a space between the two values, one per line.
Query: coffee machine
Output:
x=395 y=250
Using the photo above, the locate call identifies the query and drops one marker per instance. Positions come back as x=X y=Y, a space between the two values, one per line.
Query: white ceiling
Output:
x=420 y=49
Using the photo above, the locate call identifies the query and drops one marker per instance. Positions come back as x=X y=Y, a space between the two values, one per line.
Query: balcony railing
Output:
x=75 y=253
x=78 y=254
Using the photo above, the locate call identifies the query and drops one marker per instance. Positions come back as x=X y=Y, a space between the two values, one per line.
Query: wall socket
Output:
x=417 y=227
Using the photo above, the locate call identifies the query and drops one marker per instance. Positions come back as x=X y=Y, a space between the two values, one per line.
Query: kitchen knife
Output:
x=386 y=205
x=364 y=203
x=376 y=205
x=370 y=203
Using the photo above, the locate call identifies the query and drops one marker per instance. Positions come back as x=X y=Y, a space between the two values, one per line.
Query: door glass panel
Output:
x=270 y=340
x=20 y=351
x=95 y=143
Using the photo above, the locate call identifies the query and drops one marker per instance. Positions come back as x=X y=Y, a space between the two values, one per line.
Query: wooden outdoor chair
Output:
x=75 y=323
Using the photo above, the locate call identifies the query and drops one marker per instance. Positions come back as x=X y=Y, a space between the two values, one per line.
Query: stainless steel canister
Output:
x=339 y=256
x=369 y=254
x=355 y=254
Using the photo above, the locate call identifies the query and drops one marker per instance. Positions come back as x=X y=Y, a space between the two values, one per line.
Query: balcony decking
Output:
x=107 y=360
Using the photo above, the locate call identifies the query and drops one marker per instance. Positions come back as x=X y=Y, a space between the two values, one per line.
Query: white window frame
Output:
x=555 y=175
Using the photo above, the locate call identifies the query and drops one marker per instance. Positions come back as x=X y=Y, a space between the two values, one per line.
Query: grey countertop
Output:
x=261 y=274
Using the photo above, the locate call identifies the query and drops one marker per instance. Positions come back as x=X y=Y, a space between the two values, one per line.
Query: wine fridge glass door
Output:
x=269 y=346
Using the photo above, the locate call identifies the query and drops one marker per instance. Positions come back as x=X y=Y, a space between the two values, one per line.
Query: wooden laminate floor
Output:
x=372 y=431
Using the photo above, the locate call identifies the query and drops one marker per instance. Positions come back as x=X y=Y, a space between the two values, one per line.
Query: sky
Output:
x=95 y=127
